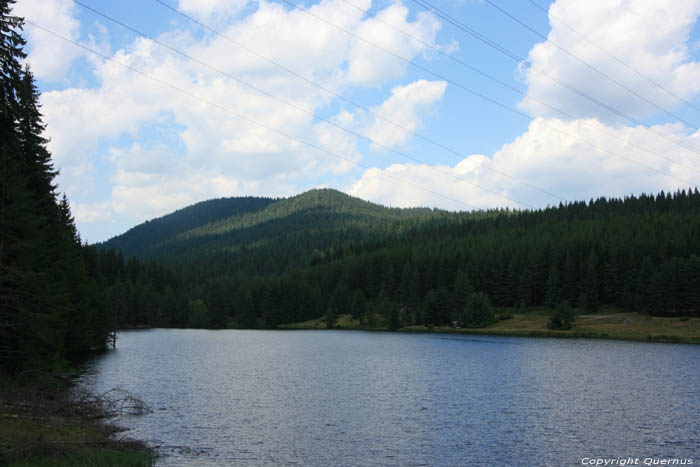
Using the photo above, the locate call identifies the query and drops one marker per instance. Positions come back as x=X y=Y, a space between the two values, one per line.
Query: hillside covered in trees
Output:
x=262 y=262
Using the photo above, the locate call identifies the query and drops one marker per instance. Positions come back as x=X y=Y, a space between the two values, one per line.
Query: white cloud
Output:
x=338 y=142
x=48 y=56
x=406 y=108
x=369 y=65
x=576 y=159
x=91 y=213
x=649 y=35
x=212 y=9
x=548 y=157
x=188 y=151
x=210 y=152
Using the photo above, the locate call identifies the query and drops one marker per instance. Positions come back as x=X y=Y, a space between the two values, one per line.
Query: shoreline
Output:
x=44 y=422
x=608 y=325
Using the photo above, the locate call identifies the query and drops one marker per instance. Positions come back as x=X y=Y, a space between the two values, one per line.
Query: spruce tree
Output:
x=553 y=292
x=589 y=284
x=38 y=166
x=477 y=312
x=32 y=299
x=359 y=304
x=331 y=313
x=463 y=289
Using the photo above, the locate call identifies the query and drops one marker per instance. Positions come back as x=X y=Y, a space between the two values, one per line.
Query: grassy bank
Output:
x=607 y=324
x=48 y=425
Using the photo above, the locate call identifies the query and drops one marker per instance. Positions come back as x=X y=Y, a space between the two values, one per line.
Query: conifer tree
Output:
x=463 y=289
x=553 y=291
x=570 y=279
x=27 y=291
x=589 y=285
x=477 y=312
x=359 y=304
x=39 y=168
x=331 y=313
x=51 y=303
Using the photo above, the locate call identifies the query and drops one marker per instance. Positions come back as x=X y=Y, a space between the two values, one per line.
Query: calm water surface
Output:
x=317 y=398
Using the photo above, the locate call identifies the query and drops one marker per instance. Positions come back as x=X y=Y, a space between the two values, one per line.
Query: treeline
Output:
x=51 y=306
x=635 y=254
x=140 y=294
x=144 y=240
x=261 y=237
x=638 y=254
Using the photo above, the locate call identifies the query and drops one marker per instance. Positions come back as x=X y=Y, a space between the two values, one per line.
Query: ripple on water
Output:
x=355 y=398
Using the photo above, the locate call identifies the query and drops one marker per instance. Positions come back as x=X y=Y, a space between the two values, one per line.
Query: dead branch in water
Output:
x=109 y=404
x=49 y=422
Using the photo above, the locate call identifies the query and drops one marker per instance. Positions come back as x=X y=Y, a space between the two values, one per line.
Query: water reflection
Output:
x=355 y=398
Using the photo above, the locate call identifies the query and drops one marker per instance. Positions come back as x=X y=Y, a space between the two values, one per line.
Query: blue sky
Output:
x=130 y=148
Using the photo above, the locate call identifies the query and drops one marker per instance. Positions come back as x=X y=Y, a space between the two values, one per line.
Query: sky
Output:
x=153 y=105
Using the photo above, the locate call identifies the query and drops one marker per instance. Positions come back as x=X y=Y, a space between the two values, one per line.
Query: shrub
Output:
x=477 y=312
x=562 y=317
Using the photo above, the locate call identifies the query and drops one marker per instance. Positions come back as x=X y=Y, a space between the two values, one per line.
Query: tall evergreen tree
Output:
x=331 y=313
x=359 y=304
x=463 y=289
x=52 y=304
x=589 y=284
x=477 y=313
x=553 y=292
x=39 y=170
x=29 y=335
x=570 y=278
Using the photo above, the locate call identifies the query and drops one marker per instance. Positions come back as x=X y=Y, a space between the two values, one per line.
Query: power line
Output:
x=299 y=108
x=306 y=143
x=359 y=106
x=486 y=98
x=588 y=65
x=507 y=86
x=246 y=118
x=614 y=57
x=564 y=84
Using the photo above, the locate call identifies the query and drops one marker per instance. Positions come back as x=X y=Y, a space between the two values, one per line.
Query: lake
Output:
x=318 y=398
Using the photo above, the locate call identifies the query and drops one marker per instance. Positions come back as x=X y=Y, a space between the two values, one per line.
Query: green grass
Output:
x=45 y=428
x=79 y=457
x=606 y=324
x=343 y=322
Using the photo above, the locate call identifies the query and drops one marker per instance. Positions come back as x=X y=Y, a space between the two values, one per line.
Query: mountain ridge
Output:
x=243 y=220
x=178 y=221
x=325 y=253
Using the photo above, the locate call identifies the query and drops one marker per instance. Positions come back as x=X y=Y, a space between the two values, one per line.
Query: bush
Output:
x=562 y=317
x=477 y=312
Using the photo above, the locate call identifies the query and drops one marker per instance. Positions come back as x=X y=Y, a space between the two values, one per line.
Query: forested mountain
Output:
x=144 y=238
x=261 y=262
x=324 y=253
x=265 y=236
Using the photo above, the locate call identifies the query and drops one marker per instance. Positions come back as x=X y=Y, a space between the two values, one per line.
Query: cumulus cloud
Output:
x=406 y=108
x=189 y=150
x=50 y=58
x=649 y=35
x=369 y=65
x=211 y=9
x=594 y=154
x=546 y=156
